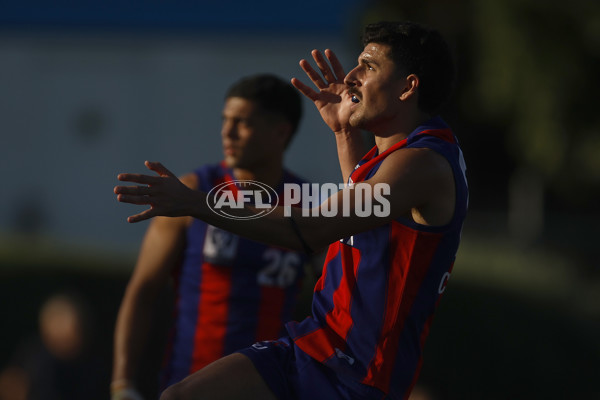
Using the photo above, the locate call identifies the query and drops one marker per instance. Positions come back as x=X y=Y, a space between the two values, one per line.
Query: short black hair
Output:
x=416 y=49
x=272 y=94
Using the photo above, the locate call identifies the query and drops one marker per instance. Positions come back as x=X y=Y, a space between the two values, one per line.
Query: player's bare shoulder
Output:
x=425 y=178
x=439 y=190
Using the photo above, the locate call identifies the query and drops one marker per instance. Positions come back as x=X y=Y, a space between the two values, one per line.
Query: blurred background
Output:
x=91 y=89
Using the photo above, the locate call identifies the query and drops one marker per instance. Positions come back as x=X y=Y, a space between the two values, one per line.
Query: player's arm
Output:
x=421 y=188
x=350 y=150
x=420 y=184
x=160 y=251
x=333 y=102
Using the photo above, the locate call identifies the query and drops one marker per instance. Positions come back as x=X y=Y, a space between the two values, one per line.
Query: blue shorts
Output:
x=293 y=375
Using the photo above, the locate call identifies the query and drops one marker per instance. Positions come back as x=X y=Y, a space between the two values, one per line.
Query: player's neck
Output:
x=386 y=138
x=269 y=174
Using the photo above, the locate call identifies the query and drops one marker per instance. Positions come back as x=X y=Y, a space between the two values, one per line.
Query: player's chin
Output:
x=355 y=120
x=231 y=161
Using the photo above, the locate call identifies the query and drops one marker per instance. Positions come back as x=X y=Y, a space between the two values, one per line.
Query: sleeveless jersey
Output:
x=231 y=291
x=373 y=305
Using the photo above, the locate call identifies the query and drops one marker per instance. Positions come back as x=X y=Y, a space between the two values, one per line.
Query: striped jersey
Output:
x=231 y=291
x=373 y=305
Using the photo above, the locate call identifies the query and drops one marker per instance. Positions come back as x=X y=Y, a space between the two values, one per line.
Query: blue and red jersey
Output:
x=373 y=305
x=231 y=291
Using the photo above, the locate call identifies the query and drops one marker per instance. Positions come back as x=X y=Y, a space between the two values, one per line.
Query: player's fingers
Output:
x=144 y=215
x=158 y=168
x=304 y=89
x=312 y=74
x=338 y=70
x=134 y=190
x=139 y=178
x=323 y=66
x=133 y=199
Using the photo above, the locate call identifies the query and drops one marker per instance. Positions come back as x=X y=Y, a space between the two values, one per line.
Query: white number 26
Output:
x=280 y=268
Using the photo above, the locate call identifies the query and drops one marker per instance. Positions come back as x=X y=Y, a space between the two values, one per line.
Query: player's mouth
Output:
x=354 y=98
x=229 y=150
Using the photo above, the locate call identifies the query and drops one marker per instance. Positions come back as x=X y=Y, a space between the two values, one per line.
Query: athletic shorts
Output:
x=293 y=375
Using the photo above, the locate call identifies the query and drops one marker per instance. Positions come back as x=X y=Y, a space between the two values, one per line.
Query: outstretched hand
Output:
x=332 y=100
x=165 y=193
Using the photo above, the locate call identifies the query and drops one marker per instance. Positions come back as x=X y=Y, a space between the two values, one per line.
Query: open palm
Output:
x=332 y=99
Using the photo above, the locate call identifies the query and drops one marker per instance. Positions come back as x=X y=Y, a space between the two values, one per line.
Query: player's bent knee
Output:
x=173 y=392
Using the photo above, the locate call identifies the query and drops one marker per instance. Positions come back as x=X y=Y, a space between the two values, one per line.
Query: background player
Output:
x=229 y=292
x=384 y=274
x=61 y=361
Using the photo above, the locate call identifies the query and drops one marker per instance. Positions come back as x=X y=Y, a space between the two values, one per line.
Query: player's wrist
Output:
x=124 y=389
x=347 y=132
x=117 y=384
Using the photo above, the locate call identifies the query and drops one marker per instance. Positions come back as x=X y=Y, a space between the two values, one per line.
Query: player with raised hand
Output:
x=384 y=274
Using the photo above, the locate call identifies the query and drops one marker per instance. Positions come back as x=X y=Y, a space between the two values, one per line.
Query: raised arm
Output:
x=333 y=102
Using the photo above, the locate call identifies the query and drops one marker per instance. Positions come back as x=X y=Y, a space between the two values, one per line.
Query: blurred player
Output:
x=385 y=272
x=230 y=291
x=62 y=363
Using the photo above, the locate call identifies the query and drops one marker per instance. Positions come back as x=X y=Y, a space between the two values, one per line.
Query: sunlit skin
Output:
x=61 y=328
x=387 y=100
x=253 y=140
x=382 y=90
x=374 y=82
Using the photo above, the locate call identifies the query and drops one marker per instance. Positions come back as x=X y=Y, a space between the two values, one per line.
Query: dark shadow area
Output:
x=485 y=343
x=489 y=344
x=22 y=295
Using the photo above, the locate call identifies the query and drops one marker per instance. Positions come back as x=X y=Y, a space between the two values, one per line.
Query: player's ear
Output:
x=284 y=133
x=288 y=137
x=410 y=86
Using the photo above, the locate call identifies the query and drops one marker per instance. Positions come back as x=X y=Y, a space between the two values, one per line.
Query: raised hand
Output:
x=332 y=100
x=165 y=193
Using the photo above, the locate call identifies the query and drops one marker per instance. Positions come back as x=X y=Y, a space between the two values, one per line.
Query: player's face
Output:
x=376 y=83
x=251 y=137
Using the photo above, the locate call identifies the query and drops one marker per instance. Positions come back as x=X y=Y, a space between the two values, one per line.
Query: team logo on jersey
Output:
x=220 y=247
x=227 y=197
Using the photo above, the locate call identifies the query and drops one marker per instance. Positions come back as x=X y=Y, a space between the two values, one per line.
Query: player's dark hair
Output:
x=418 y=50
x=272 y=94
